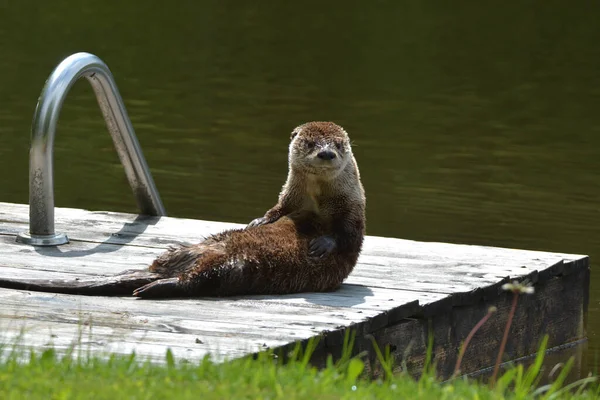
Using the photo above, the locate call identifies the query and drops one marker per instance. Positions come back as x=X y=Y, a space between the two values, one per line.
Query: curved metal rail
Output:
x=41 y=187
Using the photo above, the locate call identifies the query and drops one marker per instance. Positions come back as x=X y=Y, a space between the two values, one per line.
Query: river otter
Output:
x=309 y=241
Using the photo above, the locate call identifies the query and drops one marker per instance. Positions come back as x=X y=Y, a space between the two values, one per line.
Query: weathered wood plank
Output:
x=385 y=262
x=103 y=340
x=262 y=321
x=273 y=312
x=422 y=275
x=115 y=228
x=181 y=330
x=121 y=228
x=444 y=284
x=79 y=258
x=271 y=317
x=297 y=316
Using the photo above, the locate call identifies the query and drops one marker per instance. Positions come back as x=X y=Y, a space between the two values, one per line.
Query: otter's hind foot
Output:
x=321 y=247
x=169 y=287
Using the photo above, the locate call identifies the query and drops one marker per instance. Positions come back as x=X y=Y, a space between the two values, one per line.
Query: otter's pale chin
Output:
x=328 y=168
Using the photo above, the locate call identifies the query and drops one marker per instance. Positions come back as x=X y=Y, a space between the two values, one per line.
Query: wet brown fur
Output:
x=309 y=241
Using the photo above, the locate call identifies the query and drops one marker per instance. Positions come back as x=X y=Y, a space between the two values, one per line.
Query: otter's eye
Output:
x=339 y=145
x=310 y=145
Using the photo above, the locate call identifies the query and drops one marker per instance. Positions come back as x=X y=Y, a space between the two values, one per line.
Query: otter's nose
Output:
x=326 y=155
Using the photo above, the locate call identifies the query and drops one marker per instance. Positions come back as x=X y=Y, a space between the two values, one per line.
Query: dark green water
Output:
x=473 y=122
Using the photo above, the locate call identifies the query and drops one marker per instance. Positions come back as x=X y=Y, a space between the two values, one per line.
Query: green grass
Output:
x=47 y=376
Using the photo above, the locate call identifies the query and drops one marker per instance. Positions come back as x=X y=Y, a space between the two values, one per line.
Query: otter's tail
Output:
x=122 y=284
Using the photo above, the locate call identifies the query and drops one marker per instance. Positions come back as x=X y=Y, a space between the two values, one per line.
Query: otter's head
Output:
x=320 y=148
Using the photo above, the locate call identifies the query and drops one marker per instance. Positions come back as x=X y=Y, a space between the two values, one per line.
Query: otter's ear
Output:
x=294 y=134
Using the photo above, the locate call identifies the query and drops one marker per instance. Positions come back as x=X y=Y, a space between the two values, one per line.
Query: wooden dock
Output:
x=400 y=292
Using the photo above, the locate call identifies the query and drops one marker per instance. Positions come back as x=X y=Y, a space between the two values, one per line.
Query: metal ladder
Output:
x=41 y=188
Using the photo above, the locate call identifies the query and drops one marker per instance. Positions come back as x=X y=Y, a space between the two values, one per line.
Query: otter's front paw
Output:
x=321 y=247
x=258 y=222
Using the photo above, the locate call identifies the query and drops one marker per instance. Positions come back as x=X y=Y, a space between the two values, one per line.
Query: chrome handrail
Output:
x=41 y=187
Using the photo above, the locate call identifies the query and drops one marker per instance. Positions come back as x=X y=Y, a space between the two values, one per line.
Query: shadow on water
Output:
x=126 y=234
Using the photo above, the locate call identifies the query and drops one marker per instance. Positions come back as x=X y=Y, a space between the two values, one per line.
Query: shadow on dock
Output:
x=126 y=234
